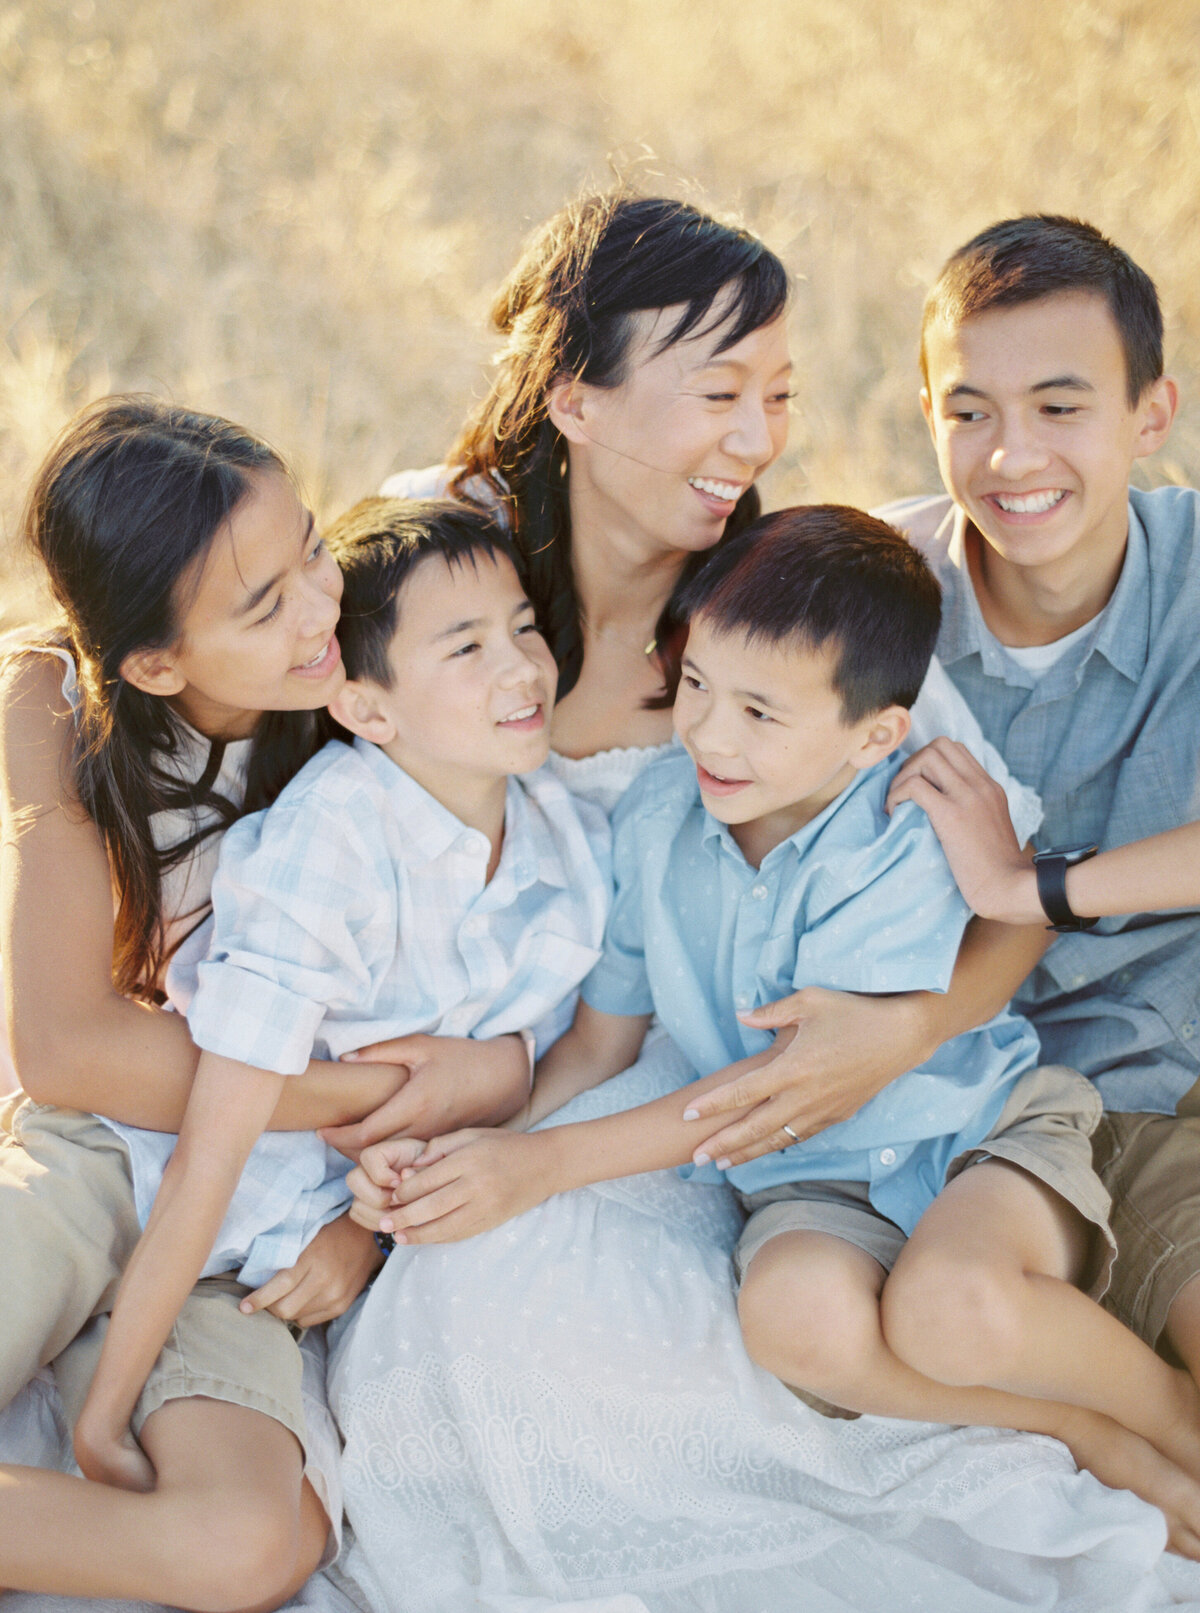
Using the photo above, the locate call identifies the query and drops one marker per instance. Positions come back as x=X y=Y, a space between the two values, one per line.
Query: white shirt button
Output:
x=480 y=845
x=887 y=1156
x=743 y=999
x=759 y=892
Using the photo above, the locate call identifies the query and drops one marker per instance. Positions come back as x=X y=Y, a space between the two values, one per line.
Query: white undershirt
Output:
x=1039 y=658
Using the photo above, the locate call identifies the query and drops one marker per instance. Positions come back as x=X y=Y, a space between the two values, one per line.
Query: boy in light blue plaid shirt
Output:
x=423 y=877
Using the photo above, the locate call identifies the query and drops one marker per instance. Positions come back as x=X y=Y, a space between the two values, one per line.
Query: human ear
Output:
x=886 y=731
x=1156 y=412
x=153 y=671
x=358 y=707
x=927 y=411
x=565 y=405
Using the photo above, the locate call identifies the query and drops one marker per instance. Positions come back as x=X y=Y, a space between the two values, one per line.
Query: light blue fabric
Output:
x=357 y=908
x=1110 y=736
x=855 y=901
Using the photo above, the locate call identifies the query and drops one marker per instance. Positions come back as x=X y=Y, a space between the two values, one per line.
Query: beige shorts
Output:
x=67 y=1228
x=1045 y=1127
x=1150 y=1163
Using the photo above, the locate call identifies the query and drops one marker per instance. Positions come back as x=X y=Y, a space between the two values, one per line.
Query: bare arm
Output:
x=970 y=814
x=228 y=1110
x=76 y=1041
x=478 y=1179
x=596 y=1047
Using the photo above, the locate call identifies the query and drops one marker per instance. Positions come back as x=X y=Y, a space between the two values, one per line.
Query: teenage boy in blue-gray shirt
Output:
x=1070 y=623
x=938 y=1240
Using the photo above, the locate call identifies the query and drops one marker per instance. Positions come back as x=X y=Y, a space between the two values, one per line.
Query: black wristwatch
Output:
x=1050 y=867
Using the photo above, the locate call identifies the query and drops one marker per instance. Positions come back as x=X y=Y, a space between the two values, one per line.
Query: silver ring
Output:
x=791 y=1134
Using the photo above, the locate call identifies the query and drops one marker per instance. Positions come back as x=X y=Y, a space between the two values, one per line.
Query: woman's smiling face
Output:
x=663 y=457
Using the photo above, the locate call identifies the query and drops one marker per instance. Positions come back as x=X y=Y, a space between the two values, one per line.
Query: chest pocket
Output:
x=1129 y=798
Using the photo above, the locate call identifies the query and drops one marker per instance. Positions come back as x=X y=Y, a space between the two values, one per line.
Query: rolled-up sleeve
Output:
x=297 y=902
x=619 y=983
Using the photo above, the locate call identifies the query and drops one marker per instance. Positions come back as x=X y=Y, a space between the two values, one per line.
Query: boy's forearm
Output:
x=226 y=1114
x=992 y=963
x=597 y=1047
x=652 y=1137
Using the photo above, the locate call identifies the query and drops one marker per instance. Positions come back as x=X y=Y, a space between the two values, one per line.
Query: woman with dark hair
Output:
x=563 y=1407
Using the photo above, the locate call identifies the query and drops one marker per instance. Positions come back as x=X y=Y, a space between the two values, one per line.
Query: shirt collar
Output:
x=530 y=851
x=1122 y=634
x=431 y=828
x=798 y=842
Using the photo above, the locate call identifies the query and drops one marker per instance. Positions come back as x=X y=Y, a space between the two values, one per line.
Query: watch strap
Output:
x=1050 y=870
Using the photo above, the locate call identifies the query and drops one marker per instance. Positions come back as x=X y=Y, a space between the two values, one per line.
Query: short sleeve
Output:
x=889 y=919
x=300 y=912
x=940 y=709
x=619 y=984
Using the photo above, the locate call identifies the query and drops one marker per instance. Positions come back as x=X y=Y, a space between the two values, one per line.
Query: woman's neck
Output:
x=621 y=580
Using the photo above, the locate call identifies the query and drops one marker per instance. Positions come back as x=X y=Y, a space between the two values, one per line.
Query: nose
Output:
x=750 y=438
x=1019 y=452
x=320 y=607
x=707 y=731
x=519 y=664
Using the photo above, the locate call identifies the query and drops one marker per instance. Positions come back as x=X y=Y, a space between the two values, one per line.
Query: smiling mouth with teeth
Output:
x=523 y=715
x=1029 y=503
x=729 y=491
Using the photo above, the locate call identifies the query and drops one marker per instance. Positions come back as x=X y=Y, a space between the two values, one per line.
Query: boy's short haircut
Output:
x=823 y=573
x=377 y=543
x=1024 y=259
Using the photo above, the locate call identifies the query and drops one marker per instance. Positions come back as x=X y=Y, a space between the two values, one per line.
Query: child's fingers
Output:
x=418 y=1184
x=463 y=1222
x=271 y=1292
x=431 y=1207
x=369 y=1215
x=371 y=1192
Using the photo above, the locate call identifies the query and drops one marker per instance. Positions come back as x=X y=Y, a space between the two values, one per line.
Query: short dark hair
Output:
x=377 y=544
x=825 y=573
x=1023 y=259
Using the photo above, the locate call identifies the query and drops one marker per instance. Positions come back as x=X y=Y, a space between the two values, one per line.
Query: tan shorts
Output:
x=67 y=1229
x=1150 y=1164
x=1045 y=1127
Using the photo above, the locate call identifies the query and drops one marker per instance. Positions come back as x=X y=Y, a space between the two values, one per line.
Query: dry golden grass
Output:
x=294 y=214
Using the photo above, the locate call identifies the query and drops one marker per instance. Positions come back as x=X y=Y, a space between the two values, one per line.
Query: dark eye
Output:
x=272 y=613
x=1060 y=411
x=317 y=550
x=529 y=627
x=692 y=681
x=756 y=715
x=464 y=649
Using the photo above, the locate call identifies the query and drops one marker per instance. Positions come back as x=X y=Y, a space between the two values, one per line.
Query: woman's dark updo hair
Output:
x=122 y=513
x=566 y=311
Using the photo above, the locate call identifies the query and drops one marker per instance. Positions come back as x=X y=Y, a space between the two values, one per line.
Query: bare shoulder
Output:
x=36 y=732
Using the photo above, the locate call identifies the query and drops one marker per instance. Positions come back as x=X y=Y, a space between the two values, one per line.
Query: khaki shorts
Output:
x=67 y=1229
x=1045 y=1127
x=1150 y=1164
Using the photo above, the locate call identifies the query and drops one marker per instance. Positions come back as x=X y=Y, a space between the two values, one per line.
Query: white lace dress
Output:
x=560 y=1414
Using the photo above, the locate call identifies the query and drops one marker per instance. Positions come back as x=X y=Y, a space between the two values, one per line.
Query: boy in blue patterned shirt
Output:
x=950 y=1235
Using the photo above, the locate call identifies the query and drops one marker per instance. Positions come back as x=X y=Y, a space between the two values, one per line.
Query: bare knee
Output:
x=806 y=1318
x=952 y=1317
x=235 y=1553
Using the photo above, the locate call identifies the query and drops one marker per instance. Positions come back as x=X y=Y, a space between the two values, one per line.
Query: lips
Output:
x=717 y=496
x=322 y=664
x=527 y=720
x=1040 y=502
x=713 y=784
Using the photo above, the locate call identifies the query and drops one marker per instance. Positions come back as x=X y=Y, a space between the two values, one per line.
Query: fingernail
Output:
x=691 y=1114
x=724 y=1164
x=701 y=1158
x=386 y=1226
x=245 y=1307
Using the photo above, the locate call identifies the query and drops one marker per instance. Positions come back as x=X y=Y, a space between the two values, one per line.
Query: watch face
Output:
x=1069 y=854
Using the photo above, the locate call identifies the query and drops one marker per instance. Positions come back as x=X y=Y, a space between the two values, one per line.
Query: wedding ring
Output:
x=791 y=1134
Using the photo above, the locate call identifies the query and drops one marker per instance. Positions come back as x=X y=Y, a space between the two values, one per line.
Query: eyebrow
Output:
x=1056 y=383
x=471 y=623
x=259 y=594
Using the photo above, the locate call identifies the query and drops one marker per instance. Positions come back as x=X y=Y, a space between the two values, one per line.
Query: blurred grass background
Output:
x=295 y=214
